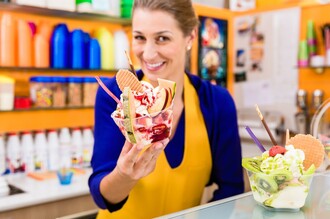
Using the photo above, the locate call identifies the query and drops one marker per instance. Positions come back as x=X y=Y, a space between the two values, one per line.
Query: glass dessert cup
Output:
x=279 y=191
x=148 y=129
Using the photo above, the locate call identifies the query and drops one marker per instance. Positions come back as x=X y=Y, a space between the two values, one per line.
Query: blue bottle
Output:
x=60 y=47
x=87 y=39
x=94 y=54
x=77 y=49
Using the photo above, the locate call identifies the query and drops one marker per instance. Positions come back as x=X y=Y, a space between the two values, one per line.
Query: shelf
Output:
x=317 y=70
x=20 y=120
x=47 y=70
x=60 y=13
x=46 y=109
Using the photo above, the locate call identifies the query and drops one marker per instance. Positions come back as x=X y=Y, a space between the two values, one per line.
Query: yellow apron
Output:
x=168 y=190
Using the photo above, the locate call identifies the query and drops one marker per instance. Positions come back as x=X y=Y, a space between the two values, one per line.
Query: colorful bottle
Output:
x=42 y=45
x=77 y=148
x=120 y=46
x=311 y=38
x=303 y=54
x=105 y=40
x=28 y=151
x=41 y=152
x=77 y=49
x=13 y=153
x=8 y=45
x=87 y=39
x=53 y=150
x=25 y=40
x=3 y=165
x=94 y=54
x=65 y=148
x=60 y=47
x=88 y=144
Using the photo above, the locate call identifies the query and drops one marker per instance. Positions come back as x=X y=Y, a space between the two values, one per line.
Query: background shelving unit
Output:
x=54 y=118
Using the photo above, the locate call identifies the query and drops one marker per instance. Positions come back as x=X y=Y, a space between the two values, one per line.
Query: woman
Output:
x=204 y=146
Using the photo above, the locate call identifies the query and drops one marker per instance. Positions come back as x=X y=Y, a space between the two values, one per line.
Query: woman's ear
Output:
x=191 y=37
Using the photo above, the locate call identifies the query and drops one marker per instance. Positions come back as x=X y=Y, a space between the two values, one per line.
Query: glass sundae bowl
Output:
x=147 y=129
x=280 y=189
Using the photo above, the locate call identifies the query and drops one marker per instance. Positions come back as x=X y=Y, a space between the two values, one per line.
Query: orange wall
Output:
x=308 y=78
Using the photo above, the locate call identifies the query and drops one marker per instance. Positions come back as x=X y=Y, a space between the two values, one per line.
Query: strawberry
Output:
x=276 y=150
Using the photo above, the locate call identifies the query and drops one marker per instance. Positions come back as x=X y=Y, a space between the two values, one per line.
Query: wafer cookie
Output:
x=312 y=147
x=125 y=78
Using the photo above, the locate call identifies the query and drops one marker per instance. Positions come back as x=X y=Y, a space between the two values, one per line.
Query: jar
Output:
x=75 y=91
x=41 y=91
x=59 y=91
x=6 y=93
x=90 y=88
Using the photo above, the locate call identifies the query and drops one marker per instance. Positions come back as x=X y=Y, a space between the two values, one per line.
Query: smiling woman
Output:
x=203 y=147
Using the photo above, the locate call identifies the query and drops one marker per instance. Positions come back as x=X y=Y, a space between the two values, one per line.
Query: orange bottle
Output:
x=8 y=53
x=41 y=51
x=42 y=45
x=25 y=41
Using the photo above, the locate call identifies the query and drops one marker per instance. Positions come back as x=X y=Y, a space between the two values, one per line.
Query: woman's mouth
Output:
x=154 y=66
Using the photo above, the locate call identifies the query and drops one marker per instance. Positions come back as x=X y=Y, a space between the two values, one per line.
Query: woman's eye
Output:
x=162 y=39
x=137 y=37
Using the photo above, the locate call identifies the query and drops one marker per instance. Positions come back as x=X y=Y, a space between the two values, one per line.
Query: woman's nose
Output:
x=150 y=51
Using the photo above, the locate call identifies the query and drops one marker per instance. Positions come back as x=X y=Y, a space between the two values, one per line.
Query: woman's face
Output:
x=159 y=44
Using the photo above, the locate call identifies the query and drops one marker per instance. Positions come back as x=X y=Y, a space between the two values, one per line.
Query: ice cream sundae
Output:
x=280 y=177
x=144 y=113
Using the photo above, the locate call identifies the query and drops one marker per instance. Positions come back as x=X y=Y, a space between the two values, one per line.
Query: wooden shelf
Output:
x=20 y=120
x=66 y=14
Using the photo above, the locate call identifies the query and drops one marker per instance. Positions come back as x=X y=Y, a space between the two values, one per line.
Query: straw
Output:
x=107 y=90
x=287 y=136
x=266 y=126
x=255 y=139
x=130 y=64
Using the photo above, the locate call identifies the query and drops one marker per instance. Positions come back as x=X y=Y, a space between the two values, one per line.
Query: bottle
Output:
x=53 y=150
x=121 y=44
x=126 y=8
x=41 y=52
x=60 y=47
x=41 y=152
x=87 y=39
x=65 y=148
x=13 y=155
x=8 y=48
x=77 y=49
x=28 y=151
x=105 y=40
x=77 y=148
x=94 y=54
x=88 y=144
x=84 y=5
x=25 y=39
x=3 y=165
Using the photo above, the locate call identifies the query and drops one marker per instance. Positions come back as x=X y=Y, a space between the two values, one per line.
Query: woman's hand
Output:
x=133 y=164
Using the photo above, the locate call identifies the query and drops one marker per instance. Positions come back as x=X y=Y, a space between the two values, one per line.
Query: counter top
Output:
x=244 y=206
x=38 y=192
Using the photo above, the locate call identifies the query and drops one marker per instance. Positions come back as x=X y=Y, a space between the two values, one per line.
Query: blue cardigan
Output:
x=219 y=113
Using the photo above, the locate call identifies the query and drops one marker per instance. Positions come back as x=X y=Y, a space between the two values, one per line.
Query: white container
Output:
x=77 y=148
x=13 y=153
x=242 y=5
x=53 y=150
x=6 y=93
x=317 y=61
x=88 y=144
x=3 y=166
x=28 y=151
x=65 y=5
x=41 y=158
x=121 y=44
x=37 y=3
x=65 y=148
